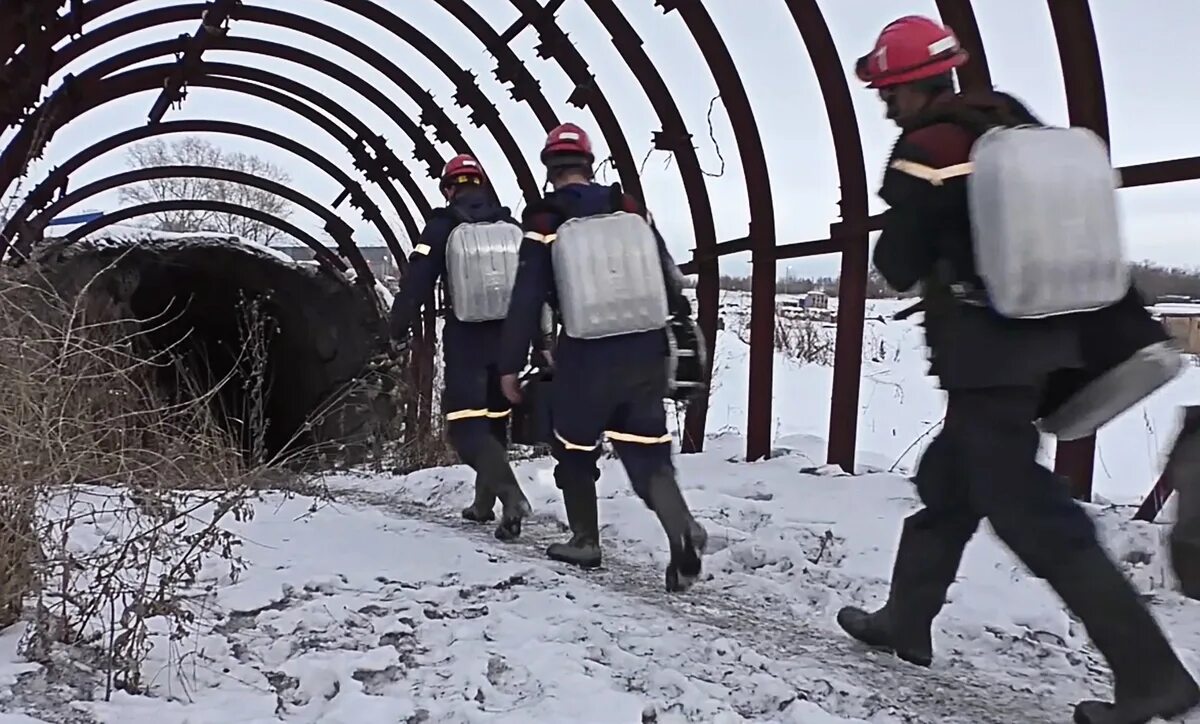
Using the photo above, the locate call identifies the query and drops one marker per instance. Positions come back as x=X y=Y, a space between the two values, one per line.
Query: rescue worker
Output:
x=1183 y=470
x=477 y=412
x=983 y=463
x=607 y=381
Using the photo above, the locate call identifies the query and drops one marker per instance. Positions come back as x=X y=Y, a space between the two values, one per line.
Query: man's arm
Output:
x=919 y=187
x=425 y=265
x=531 y=288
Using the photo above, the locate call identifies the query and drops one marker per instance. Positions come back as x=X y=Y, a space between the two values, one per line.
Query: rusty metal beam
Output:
x=150 y=77
x=762 y=216
x=357 y=195
x=555 y=45
x=1086 y=106
x=219 y=207
x=676 y=139
x=338 y=229
x=424 y=149
x=854 y=245
x=214 y=18
x=1156 y=500
x=960 y=17
x=1161 y=172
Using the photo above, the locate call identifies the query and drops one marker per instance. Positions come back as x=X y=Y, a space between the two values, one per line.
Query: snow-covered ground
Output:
x=384 y=606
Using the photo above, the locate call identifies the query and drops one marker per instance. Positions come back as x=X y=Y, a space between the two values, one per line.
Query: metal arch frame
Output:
x=424 y=149
x=509 y=68
x=762 y=218
x=555 y=45
x=468 y=94
x=958 y=13
x=276 y=88
x=337 y=228
x=13 y=156
x=852 y=232
x=151 y=77
x=220 y=207
x=350 y=187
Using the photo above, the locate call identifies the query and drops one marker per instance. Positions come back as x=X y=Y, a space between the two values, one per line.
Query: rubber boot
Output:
x=482 y=510
x=686 y=537
x=927 y=560
x=1183 y=470
x=493 y=467
x=1148 y=678
x=583 y=516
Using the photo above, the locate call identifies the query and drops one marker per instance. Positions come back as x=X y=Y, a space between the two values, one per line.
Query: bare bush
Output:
x=101 y=520
x=801 y=339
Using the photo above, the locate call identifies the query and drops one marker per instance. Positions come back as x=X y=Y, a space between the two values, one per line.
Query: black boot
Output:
x=482 y=510
x=1183 y=471
x=686 y=537
x=492 y=465
x=579 y=498
x=1148 y=678
x=927 y=559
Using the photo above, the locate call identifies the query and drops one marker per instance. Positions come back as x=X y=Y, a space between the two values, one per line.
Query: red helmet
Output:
x=910 y=49
x=462 y=169
x=567 y=145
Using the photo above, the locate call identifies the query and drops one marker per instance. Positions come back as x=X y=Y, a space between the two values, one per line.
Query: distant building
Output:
x=1183 y=322
x=379 y=259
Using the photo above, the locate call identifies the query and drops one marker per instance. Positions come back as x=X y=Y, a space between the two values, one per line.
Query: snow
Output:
x=901 y=407
x=384 y=606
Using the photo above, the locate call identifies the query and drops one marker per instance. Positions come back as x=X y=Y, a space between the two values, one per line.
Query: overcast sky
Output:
x=1146 y=47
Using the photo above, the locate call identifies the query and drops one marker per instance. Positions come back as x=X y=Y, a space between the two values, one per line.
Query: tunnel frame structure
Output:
x=39 y=27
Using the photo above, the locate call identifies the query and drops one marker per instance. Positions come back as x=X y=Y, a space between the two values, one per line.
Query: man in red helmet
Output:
x=995 y=369
x=472 y=243
x=593 y=253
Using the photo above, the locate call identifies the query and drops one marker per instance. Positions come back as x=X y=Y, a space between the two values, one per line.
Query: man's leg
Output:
x=638 y=431
x=1183 y=468
x=927 y=559
x=471 y=435
x=578 y=418
x=1031 y=510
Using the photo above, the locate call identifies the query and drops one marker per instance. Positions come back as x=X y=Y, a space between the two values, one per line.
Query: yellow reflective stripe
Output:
x=572 y=446
x=935 y=176
x=422 y=249
x=498 y=415
x=544 y=238
x=465 y=414
x=641 y=439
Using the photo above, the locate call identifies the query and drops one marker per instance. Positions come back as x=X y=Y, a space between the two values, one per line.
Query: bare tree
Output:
x=194 y=151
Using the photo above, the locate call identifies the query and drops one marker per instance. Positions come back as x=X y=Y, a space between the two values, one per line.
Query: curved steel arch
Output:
x=509 y=68
x=1087 y=106
x=151 y=77
x=960 y=17
x=133 y=135
x=675 y=138
x=855 y=212
x=33 y=130
x=386 y=165
x=337 y=228
x=432 y=114
x=556 y=46
x=220 y=207
x=762 y=218
x=424 y=149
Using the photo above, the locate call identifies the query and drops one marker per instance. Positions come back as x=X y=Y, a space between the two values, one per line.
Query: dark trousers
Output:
x=476 y=409
x=623 y=402
x=983 y=465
